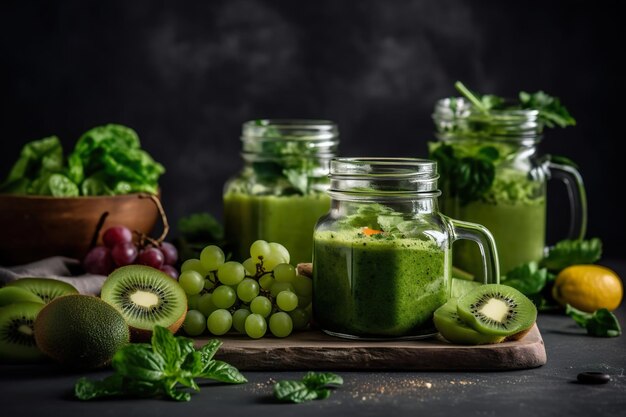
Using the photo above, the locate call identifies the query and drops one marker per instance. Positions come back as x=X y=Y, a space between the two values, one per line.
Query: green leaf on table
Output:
x=139 y=361
x=223 y=372
x=208 y=351
x=313 y=386
x=600 y=323
x=527 y=278
x=160 y=369
x=321 y=379
x=572 y=252
x=173 y=350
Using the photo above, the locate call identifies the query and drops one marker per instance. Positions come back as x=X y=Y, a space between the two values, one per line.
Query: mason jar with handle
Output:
x=492 y=175
x=382 y=255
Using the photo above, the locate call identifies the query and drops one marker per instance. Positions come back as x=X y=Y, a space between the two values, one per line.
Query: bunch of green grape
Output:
x=263 y=291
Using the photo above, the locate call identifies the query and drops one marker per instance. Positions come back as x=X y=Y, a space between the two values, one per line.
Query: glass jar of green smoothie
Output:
x=492 y=175
x=382 y=255
x=281 y=191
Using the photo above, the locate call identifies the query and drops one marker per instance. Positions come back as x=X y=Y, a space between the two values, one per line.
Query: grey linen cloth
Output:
x=56 y=267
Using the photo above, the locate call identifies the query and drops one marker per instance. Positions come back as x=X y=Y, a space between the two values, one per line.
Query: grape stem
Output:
x=166 y=226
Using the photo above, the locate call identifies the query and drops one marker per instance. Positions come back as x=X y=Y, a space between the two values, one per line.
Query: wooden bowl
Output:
x=35 y=227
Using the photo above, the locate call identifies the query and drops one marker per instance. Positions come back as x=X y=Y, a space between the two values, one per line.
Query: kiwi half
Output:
x=497 y=309
x=45 y=288
x=17 y=339
x=455 y=330
x=146 y=297
x=10 y=295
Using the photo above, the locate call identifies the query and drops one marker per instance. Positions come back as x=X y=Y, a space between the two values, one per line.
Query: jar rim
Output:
x=456 y=116
x=383 y=177
x=383 y=167
x=290 y=129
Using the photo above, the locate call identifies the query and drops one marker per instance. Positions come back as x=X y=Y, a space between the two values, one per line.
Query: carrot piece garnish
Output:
x=369 y=232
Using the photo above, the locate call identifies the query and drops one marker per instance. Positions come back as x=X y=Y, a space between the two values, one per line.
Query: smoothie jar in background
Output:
x=281 y=191
x=491 y=174
x=382 y=255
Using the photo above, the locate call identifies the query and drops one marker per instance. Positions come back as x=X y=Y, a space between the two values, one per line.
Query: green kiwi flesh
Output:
x=460 y=287
x=146 y=297
x=497 y=309
x=10 y=295
x=17 y=338
x=80 y=331
x=455 y=330
x=45 y=288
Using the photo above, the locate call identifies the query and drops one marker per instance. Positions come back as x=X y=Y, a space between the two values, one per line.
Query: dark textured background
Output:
x=186 y=74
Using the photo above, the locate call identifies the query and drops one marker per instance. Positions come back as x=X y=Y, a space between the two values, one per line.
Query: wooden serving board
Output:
x=315 y=350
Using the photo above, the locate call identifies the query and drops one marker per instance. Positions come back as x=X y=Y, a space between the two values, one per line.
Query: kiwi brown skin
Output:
x=80 y=331
x=143 y=335
x=519 y=335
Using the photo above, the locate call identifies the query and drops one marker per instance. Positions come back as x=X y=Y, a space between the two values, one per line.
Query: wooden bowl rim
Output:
x=87 y=198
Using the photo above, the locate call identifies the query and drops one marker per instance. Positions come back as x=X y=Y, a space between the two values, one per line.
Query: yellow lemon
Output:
x=588 y=288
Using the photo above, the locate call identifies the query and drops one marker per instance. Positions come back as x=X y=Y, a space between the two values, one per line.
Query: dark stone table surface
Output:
x=551 y=390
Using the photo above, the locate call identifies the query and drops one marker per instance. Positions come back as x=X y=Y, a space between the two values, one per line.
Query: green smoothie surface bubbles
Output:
x=491 y=173
x=381 y=256
x=281 y=191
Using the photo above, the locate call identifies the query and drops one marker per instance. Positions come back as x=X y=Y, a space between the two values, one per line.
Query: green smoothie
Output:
x=288 y=220
x=370 y=287
x=518 y=228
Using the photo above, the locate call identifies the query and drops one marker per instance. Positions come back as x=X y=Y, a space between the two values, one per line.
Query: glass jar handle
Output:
x=487 y=244
x=577 y=196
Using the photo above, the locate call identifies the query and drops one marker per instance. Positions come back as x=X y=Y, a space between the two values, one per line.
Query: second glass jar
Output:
x=492 y=175
x=281 y=191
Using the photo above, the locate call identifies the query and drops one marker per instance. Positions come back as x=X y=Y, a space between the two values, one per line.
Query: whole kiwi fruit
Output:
x=80 y=331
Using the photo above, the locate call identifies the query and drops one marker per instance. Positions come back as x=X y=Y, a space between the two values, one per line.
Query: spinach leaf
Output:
x=600 y=323
x=572 y=252
x=468 y=177
x=159 y=369
x=106 y=160
x=313 y=386
x=527 y=278
x=61 y=186
x=551 y=112
x=39 y=158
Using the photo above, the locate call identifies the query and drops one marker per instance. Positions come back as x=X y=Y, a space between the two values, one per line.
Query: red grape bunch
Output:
x=120 y=250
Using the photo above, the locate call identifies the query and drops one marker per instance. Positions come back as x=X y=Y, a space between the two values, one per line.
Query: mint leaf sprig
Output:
x=572 y=252
x=160 y=369
x=551 y=112
x=600 y=323
x=313 y=386
x=535 y=279
x=527 y=278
